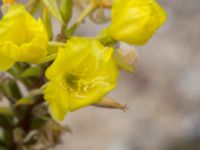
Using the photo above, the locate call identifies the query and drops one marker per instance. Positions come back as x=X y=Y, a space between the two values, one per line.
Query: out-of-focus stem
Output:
x=56 y=44
x=47 y=22
x=92 y=6
x=46 y=59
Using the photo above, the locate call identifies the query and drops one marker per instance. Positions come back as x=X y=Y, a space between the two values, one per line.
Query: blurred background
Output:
x=163 y=95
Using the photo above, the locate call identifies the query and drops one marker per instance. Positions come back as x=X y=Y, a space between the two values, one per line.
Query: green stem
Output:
x=63 y=29
x=46 y=59
x=92 y=6
x=56 y=44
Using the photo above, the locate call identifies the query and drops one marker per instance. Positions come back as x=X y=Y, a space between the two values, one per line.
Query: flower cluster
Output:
x=84 y=69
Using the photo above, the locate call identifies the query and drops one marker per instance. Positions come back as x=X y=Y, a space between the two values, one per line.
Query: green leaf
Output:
x=37 y=123
x=24 y=101
x=6 y=111
x=6 y=118
x=31 y=72
x=18 y=68
x=53 y=8
x=10 y=89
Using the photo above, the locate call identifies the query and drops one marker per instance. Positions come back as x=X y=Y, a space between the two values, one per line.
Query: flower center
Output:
x=72 y=81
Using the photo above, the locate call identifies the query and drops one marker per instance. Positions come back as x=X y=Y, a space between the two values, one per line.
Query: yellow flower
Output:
x=22 y=38
x=81 y=75
x=135 y=21
x=8 y=1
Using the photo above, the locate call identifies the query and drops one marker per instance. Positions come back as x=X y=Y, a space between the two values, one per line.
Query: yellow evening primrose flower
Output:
x=135 y=21
x=22 y=38
x=83 y=72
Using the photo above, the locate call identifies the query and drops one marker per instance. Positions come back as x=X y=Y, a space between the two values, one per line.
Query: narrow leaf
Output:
x=10 y=89
x=31 y=72
x=24 y=101
x=6 y=111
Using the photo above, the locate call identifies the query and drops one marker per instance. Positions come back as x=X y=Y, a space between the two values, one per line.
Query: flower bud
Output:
x=66 y=10
x=135 y=21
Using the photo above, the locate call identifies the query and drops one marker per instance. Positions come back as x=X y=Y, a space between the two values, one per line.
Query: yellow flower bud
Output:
x=83 y=72
x=135 y=21
x=22 y=38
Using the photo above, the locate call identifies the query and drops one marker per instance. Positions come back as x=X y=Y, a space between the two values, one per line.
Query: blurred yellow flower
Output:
x=83 y=72
x=135 y=21
x=8 y=1
x=22 y=38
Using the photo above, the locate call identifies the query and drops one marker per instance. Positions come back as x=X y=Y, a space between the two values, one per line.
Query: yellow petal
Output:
x=57 y=98
x=5 y=62
x=22 y=38
x=99 y=87
x=68 y=57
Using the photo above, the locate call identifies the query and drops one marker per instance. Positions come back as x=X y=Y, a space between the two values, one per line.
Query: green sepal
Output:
x=46 y=18
x=105 y=39
x=53 y=8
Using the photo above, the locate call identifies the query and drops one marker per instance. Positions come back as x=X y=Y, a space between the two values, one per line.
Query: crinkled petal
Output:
x=57 y=98
x=5 y=62
x=22 y=38
x=101 y=85
x=69 y=57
